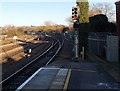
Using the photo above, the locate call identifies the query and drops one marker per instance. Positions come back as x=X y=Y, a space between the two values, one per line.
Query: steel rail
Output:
x=61 y=44
x=52 y=45
x=22 y=85
x=27 y=48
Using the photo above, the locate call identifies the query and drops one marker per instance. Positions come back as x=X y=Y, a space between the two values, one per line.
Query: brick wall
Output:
x=118 y=16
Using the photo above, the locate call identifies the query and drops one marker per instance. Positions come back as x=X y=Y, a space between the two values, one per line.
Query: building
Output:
x=118 y=16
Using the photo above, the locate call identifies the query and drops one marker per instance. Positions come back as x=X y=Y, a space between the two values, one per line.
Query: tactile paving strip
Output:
x=58 y=82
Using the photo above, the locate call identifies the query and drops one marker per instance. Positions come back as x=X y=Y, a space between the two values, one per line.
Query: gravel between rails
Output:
x=11 y=84
x=9 y=49
x=12 y=66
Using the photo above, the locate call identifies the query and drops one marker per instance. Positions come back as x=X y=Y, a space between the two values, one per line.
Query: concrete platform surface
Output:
x=46 y=78
x=75 y=75
x=64 y=74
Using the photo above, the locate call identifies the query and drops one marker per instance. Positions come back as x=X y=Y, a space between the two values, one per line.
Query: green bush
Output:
x=84 y=24
x=83 y=12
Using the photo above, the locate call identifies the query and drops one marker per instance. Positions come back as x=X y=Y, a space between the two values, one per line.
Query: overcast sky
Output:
x=36 y=13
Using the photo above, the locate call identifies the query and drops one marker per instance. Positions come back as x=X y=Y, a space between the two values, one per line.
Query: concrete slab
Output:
x=85 y=79
x=42 y=79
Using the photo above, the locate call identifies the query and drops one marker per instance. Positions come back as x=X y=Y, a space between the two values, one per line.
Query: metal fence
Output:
x=97 y=42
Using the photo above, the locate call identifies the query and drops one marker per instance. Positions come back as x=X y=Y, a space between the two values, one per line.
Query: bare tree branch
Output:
x=103 y=8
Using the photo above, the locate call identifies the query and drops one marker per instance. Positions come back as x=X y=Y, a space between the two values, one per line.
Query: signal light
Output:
x=75 y=17
x=75 y=11
x=75 y=8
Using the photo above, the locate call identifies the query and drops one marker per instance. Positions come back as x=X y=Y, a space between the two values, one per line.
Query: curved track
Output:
x=16 y=62
x=26 y=48
x=16 y=79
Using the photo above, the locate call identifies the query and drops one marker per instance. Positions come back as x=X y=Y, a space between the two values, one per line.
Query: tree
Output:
x=84 y=23
x=103 y=8
x=94 y=11
x=83 y=6
x=49 y=23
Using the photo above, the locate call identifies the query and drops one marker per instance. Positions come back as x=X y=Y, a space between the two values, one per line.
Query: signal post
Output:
x=75 y=17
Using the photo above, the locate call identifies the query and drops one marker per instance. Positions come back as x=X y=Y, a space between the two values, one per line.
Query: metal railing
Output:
x=97 y=42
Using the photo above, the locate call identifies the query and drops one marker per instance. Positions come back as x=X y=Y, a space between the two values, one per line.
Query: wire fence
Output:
x=97 y=43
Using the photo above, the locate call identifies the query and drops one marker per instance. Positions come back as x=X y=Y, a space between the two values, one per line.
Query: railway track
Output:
x=26 y=48
x=22 y=60
x=15 y=80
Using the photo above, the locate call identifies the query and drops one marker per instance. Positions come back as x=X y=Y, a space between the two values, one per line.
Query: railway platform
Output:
x=46 y=78
x=71 y=76
x=64 y=74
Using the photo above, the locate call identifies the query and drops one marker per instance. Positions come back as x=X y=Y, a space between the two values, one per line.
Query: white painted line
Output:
x=28 y=64
x=51 y=68
x=20 y=87
x=29 y=79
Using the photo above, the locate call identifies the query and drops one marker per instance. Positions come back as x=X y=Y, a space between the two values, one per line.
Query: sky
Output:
x=34 y=12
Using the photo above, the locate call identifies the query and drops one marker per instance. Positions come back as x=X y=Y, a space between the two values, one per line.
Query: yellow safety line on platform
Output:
x=84 y=70
x=67 y=80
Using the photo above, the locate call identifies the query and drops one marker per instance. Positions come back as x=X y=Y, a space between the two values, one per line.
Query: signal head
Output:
x=75 y=11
